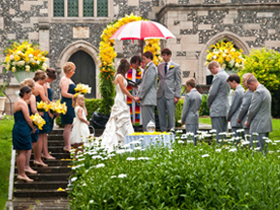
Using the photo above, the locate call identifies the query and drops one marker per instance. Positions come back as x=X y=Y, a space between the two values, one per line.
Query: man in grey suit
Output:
x=217 y=99
x=259 y=114
x=148 y=89
x=234 y=82
x=246 y=101
x=169 y=90
x=190 y=113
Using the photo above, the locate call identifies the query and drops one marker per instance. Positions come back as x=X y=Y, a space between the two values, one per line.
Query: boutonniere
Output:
x=245 y=91
x=232 y=92
x=139 y=72
x=171 y=67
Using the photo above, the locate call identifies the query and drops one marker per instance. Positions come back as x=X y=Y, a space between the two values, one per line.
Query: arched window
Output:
x=80 y=8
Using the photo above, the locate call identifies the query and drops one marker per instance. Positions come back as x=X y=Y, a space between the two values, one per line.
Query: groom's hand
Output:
x=137 y=98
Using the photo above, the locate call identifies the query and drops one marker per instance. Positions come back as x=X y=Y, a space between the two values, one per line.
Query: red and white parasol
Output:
x=142 y=30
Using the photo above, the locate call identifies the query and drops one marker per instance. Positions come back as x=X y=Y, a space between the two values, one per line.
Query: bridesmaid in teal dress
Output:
x=22 y=130
x=40 y=94
x=34 y=136
x=51 y=76
x=67 y=93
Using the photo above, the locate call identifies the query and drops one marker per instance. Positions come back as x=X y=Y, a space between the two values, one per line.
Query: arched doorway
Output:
x=85 y=71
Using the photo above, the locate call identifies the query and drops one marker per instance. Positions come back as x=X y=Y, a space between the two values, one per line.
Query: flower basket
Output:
x=22 y=75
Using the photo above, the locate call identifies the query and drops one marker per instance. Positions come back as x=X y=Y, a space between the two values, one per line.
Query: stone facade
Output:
x=196 y=24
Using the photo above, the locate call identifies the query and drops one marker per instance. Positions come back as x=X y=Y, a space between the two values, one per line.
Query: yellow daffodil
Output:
x=38 y=120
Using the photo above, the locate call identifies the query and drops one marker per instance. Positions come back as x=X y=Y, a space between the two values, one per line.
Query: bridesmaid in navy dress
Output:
x=34 y=136
x=40 y=94
x=51 y=76
x=22 y=130
x=67 y=93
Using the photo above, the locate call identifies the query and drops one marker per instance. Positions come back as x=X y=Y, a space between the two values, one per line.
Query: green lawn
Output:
x=6 y=127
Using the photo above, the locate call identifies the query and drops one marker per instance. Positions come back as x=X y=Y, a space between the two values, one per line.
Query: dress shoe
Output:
x=40 y=163
x=48 y=158
x=66 y=150
x=30 y=171
x=26 y=179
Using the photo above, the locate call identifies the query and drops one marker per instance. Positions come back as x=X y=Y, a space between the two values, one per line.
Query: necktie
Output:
x=165 y=68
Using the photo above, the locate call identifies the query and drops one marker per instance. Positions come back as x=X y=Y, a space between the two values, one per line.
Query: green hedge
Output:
x=91 y=104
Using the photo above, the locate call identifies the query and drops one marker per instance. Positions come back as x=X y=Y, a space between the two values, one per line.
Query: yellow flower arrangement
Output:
x=57 y=107
x=227 y=55
x=171 y=67
x=153 y=45
x=148 y=133
x=83 y=89
x=38 y=120
x=42 y=106
x=24 y=56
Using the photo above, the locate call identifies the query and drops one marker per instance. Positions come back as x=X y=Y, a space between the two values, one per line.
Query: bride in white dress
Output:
x=119 y=125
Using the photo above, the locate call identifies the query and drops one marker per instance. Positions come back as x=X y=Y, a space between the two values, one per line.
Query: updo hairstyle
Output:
x=28 y=82
x=123 y=67
x=39 y=75
x=51 y=73
x=24 y=89
x=68 y=67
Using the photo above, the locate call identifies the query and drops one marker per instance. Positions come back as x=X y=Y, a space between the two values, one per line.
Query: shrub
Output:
x=180 y=177
x=204 y=109
x=178 y=112
x=91 y=104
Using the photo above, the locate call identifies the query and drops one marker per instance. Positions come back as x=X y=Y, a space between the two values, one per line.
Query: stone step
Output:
x=55 y=149
x=59 y=156
x=43 y=185
x=56 y=162
x=31 y=193
x=49 y=176
x=51 y=169
x=57 y=131
x=55 y=137
x=57 y=143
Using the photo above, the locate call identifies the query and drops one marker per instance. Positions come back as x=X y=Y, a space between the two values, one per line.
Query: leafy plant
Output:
x=2 y=89
x=204 y=110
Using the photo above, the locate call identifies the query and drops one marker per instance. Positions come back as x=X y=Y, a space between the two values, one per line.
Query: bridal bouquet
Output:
x=42 y=107
x=57 y=107
x=38 y=120
x=83 y=89
x=24 y=56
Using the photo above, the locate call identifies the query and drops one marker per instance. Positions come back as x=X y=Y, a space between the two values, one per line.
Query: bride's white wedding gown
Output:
x=119 y=125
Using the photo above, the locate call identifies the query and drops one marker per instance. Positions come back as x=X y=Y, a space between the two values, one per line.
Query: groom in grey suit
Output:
x=169 y=89
x=234 y=82
x=217 y=99
x=246 y=101
x=148 y=89
x=259 y=114
x=190 y=113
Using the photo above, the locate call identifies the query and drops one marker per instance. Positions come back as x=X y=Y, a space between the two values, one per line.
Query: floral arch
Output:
x=107 y=57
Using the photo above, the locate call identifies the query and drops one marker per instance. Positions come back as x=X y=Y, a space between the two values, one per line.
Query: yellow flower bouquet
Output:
x=83 y=89
x=24 y=56
x=229 y=57
x=42 y=107
x=57 y=107
x=38 y=121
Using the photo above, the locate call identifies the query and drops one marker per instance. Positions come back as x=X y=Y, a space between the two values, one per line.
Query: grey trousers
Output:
x=193 y=129
x=219 y=124
x=260 y=141
x=147 y=114
x=166 y=106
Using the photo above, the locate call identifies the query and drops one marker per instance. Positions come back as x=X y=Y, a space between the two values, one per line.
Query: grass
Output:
x=6 y=126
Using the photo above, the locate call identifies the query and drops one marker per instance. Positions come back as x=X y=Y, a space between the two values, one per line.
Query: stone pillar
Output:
x=44 y=35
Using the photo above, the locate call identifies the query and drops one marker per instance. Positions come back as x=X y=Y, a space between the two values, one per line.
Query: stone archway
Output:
x=229 y=36
x=75 y=47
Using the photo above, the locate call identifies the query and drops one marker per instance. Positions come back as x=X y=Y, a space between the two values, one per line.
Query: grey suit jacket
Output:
x=218 y=95
x=148 y=88
x=234 y=108
x=169 y=83
x=190 y=113
x=244 y=107
x=259 y=114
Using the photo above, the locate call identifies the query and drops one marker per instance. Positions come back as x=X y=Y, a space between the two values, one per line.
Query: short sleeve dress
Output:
x=70 y=114
x=21 y=133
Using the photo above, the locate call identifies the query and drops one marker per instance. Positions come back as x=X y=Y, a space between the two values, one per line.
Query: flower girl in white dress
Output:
x=80 y=131
x=119 y=125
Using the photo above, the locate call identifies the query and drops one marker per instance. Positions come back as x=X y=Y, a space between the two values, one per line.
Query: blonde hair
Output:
x=251 y=79
x=68 y=67
x=213 y=64
x=29 y=82
x=247 y=75
x=39 y=75
x=75 y=99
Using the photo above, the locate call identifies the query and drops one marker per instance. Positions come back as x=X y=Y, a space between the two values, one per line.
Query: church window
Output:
x=73 y=8
x=88 y=8
x=58 y=6
x=102 y=8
